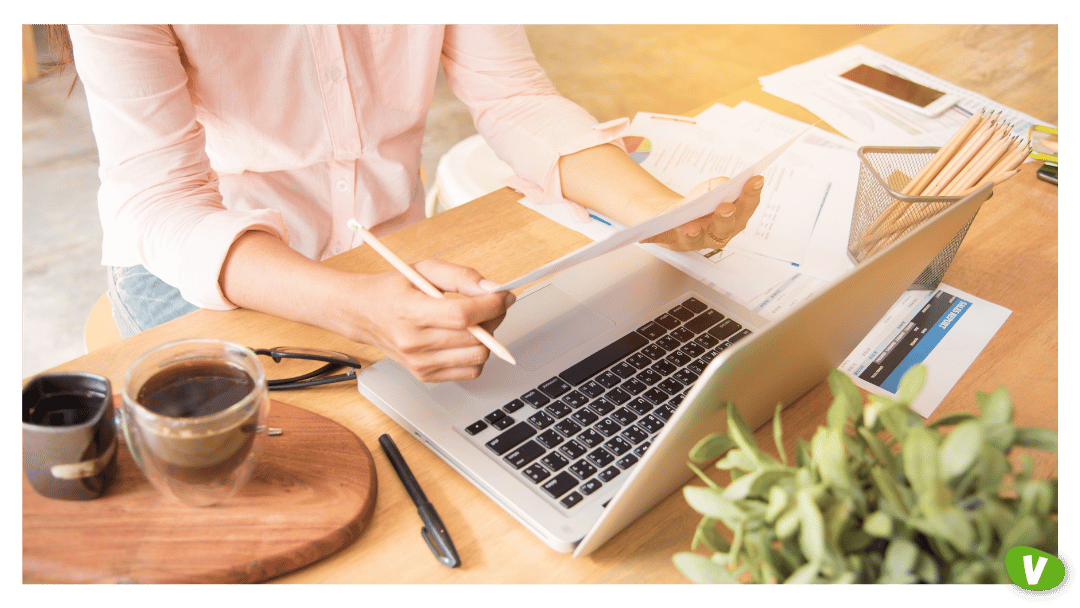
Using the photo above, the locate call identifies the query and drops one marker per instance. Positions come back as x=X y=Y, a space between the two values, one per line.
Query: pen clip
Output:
x=436 y=537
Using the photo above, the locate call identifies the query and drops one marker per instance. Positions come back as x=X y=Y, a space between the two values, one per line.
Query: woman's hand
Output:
x=713 y=231
x=429 y=336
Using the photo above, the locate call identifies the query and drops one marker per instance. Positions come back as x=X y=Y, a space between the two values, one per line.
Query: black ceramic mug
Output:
x=69 y=435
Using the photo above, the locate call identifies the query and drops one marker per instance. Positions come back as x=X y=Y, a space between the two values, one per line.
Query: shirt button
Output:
x=334 y=73
x=342 y=185
x=337 y=250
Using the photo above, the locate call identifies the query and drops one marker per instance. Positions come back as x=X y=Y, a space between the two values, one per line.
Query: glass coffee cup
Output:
x=194 y=416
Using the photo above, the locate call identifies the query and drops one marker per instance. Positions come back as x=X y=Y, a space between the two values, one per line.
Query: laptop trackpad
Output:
x=548 y=323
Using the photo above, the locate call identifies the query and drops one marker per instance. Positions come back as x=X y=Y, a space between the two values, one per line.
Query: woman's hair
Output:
x=60 y=40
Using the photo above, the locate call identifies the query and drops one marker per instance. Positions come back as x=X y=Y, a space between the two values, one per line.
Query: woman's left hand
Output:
x=714 y=231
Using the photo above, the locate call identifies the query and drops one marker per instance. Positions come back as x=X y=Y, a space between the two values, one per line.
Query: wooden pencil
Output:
x=943 y=155
x=970 y=149
x=422 y=284
x=978 y=166
x=996 y=180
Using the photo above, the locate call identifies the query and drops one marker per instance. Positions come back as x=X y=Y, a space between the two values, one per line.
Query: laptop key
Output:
x=536 y=399
x=585 y=416
x=609 y=473
x=554 y=461
x=541 y=420
x=640 y=406
x=590 y=486
x=639 y=360
x=510 y=438
x=649 y=376
x=617 y=396
x=626 y=461
x=575 y=399
x=513 y=406
x=602 y=407
x=657 y=395
x=651 y=423
x=624 y=416
x=593 y=389
x=583 y=469
x=608 y=380
x=685 y=376
x=573 y=449
x=668 y=321
x=624 y=370
x=618 y=446
x=668 y=343
x=707 y=340
x=503 y=423
x=590 y=438
x=493 y=416
x=739 y=335
x=694 y=305
x=635 y=435
x=682 y=334
x=558 y=409
x=571 y=500
x=682 y=314
x=652 y=330
x=600 y=457
x=663 y=367
x=639 y=451
x=536 y=473
x=524 y=454
x=634 y=386
x=693 y=349
x=567 y=427
x=554 y=388
x=654 y=352
x=608 y=427
x=476 y=427
x=603 y=358
x=725 y=328
x=550 y=439
x=560 y=484
x=704 y=321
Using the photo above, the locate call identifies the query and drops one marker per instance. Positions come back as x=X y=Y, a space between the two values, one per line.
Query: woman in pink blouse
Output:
x=232 y=157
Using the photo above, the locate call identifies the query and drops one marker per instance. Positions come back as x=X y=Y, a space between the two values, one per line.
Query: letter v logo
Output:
x=1033 y=574
x=1033 y=569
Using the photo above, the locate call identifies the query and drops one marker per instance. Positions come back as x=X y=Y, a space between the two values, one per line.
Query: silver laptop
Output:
x=624 y=363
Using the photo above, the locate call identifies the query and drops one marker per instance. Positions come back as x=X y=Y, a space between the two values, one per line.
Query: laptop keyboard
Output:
x=591 y=423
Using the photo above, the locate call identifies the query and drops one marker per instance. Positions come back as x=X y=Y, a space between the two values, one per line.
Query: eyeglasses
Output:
x=277 y=366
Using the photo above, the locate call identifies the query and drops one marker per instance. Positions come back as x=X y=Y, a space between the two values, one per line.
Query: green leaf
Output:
x=960 y=449
x=755 y=484
x=953 y=419
x=1001 y=435
x=1036 y=437
x=778 y=433
x=898 y=418
x=911 y=384
x=779 y=500
x=741 y=433
x=807 y=573
x=802 y=453
x=707 y=534
x=879 y=524
x=878 y=449
x=997 y=407
x=711 y=447
x=737 y=458
x=710 y=502
x=920 y=460
x=900 y=557
x=811 y=527
x=830 y=458
x=788 y=523
x=1025 y=531
x=700 y=569
x=887 y=488
x=841 y=385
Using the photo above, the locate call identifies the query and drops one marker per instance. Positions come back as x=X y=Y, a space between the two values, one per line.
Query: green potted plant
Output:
x=877 y=496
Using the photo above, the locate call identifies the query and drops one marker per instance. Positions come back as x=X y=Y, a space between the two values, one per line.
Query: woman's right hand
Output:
x=429 y=336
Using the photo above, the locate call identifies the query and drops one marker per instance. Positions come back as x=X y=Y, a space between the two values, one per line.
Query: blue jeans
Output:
x=140 y=300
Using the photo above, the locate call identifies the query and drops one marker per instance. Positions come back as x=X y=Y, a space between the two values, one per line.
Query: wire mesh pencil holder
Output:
x=882 y=214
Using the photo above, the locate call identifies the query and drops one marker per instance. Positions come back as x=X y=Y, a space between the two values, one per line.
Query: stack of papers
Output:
x=870 y=121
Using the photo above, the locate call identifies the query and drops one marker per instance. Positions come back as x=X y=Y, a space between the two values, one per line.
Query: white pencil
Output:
x=422 y=284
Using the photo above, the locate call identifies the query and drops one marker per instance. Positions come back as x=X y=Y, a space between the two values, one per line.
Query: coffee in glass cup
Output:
x=194 y=415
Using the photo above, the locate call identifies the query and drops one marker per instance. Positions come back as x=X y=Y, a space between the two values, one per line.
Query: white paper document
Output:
x=871 y=121
x=944 y=328
x=703 y=205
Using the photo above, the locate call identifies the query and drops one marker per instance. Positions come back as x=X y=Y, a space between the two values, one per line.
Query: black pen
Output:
x=434 y=532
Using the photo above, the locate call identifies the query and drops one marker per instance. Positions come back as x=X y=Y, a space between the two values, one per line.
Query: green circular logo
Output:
x=1034 y=570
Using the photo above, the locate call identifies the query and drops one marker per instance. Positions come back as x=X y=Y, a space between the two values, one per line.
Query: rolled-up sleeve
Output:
x=159 y=200
x=516 y=108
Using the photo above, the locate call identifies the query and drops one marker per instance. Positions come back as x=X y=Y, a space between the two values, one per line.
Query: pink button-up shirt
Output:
x=205 y=132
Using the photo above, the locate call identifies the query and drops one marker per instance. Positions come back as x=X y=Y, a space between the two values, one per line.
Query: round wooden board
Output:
x=312 y=493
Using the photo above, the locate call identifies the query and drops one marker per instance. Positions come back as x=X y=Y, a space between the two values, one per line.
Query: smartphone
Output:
x=889 y=86
x=1048 y=173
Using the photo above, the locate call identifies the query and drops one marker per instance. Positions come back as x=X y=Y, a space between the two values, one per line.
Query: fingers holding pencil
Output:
x=432 y=336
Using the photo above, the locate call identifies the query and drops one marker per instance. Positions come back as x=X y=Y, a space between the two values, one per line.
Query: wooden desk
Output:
x=1009 y=257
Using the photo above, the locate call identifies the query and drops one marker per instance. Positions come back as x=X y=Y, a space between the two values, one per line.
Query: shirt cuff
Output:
x=204 y=251
x=551 y=190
